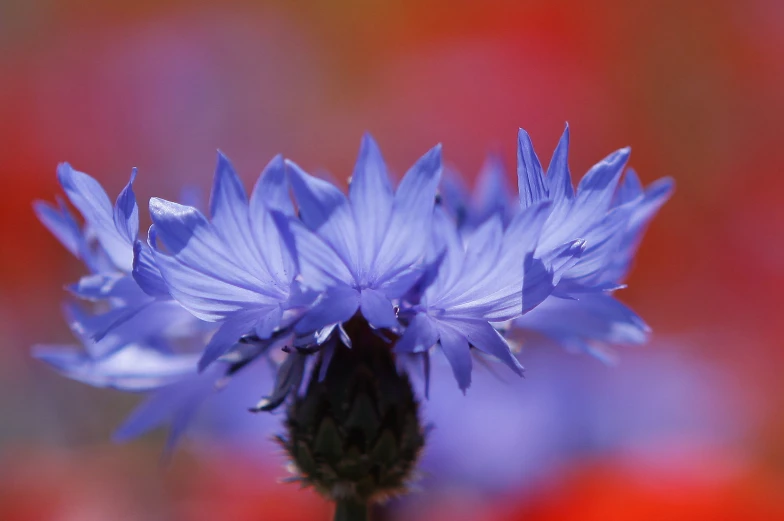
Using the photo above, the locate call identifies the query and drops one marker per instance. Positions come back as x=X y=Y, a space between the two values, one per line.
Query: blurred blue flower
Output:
x=259 y=284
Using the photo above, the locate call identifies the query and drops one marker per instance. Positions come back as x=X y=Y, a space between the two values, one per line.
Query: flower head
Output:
x=343 y=292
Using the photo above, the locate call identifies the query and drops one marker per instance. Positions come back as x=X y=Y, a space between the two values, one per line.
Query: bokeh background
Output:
x=689 y=427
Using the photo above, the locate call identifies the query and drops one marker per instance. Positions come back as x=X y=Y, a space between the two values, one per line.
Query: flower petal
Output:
x=558 y=177
x=377 y=309
x=227 y=335
x=126 y=212
x=319 y=264
x=484 y=337
x=91 y=200
x=413 y=210
x=370 y=193
x=455 y=348
x=337 y=304
x=530 y=177
x=324 y=209
x=420 y=335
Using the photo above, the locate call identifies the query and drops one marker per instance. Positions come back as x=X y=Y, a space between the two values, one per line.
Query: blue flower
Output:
x=232 y=270
x=610 y=216
x=258 y=281
x=128 y=342
x=477 y=283
x=365 y=250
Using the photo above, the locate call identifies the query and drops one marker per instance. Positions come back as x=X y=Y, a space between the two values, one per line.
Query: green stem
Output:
x=351 y=510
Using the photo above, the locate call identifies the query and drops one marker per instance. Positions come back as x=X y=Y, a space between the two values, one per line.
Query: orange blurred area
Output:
x=694 y=87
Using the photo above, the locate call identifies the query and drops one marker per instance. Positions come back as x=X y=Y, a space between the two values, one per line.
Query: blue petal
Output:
x=530 y=177
x=126 y=212
x=597 y=189
x=420 y=335
x=484 y=337
x=493 y=193
x=146 y=272
x=337 y=304
x=593 y=318
x=104 y=286
x=227 y=335
x=132 y=368
x=324 y=209
x=271 y=195
x=271 y=191
x=413 y=210
x=377 y=309
x=559 y=179
x=319 y=264
x=91 y=200
x=371 y=199
x=629 y=189
x=62 y=225
x=198 y=272
x=173 y=404
x=455 y=348
x=229 y=210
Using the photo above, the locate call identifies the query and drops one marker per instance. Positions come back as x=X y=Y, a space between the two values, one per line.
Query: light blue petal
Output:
x=530 y=178
x=197 y=270
x=324 y=209
x=420 y=335
x=593 y=318
x=91 y=200
x=126 y=212
x=413 y=210
x=228 y=334
x=337 y=304
x=484 y=337
x=103 y=286
x=230 y=218
x=62 y=225
x=146 y=272
x=371 y=197
x=559 y=179
x=629 y=189
x=133 y=368
x=271 y=191
x=377 y=309
x=455 y=348
x=319 y=264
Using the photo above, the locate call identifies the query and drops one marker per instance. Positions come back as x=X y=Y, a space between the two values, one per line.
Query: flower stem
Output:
x=351 y=510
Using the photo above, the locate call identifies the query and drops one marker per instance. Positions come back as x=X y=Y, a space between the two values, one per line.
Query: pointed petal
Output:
x=455 y=348
x=338 y=304
x=272 y=189
x=103 y=286
x=62 y=225
x=559 y=179
x=133 y=368
x=92 y=202
x=126 y=212
x=484 y=337
x=371 y=198
x=530 y=178
x=413 y=210
x=420 y=335
x=227 y=335
x=197 y=270
x=146 y=272
x=319 y=264
x=229 y=210
x=325 y=210
x=377 y=309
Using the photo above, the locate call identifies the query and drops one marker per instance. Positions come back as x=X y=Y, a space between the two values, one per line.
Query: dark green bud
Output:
x=356 y=434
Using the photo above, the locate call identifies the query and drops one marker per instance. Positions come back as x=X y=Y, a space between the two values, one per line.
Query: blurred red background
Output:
x=694 y=87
